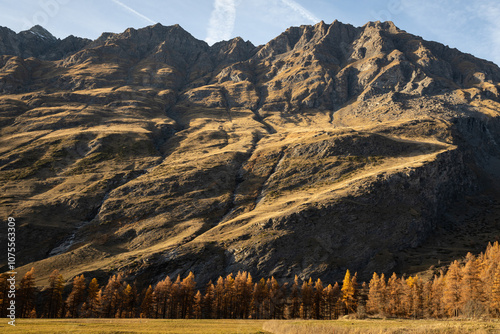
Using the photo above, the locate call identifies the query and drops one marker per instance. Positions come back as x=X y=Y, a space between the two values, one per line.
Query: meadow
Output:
x=368 y=326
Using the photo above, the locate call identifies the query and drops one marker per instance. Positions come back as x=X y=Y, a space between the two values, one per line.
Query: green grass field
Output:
x=370 y=326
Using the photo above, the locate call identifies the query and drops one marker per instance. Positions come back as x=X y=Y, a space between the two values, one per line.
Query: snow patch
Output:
x=67 y=243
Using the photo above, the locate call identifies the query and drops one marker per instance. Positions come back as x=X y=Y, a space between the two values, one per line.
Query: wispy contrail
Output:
x=221 y=24
x=491 y=10
x=301 y=10
x=133 y=11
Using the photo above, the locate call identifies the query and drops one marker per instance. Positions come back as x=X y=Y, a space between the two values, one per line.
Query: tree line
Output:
x=469 y=288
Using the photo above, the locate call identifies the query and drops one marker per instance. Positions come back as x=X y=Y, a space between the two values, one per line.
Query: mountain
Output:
x=39 y=43
x=331 y=147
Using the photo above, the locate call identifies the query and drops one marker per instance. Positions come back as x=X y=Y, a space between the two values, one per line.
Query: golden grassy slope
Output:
x=302 y=157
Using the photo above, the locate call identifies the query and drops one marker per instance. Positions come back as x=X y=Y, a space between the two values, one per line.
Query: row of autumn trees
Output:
x=234 y=297
x=470 y=288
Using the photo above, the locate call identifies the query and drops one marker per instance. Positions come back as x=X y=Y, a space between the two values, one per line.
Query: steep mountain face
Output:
x=330 y=147
x=39 y=43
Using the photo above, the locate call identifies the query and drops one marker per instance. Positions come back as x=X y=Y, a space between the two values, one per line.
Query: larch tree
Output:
x=437 y=305
x=176 y=299
x=376 y=294
x=197 y=305
x=76 y=297
x=112 y=297
x=260 y=297
x=92 y=305
x=471 y=288
x=349 y=292
x=394 y=296
x=294 y=307
x=229 y=297
x=414 y=297
x=26 y=293
x=307 y=299
x=329 y=302
x=249 y=292
x=427 y=299
x=162 y=293
x=4 y=291
x=243 y=294
x=209 y=301
x=362 y=299
x=55 y=304
x=238 y=285
x=318 y=303
x=276 y=299
x=147 y=304
x=339 y=307
x=491 y=261
x=494 y=304
x=218 y=300
x=452 y=288
x=187 y=287
x=129 y=301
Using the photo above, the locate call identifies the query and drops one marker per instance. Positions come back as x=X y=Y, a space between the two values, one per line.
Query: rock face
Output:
x=331 y=147
x=39 y=43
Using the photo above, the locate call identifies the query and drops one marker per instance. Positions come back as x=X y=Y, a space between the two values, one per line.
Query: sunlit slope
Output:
x=330 y=147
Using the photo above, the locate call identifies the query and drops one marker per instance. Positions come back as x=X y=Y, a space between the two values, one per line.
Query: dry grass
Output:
x=372 y=326
x=119 y=326
x=368 y=326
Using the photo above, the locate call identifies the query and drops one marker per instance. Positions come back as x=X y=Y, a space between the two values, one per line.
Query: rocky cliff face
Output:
x=38 y=43
x=330 y=147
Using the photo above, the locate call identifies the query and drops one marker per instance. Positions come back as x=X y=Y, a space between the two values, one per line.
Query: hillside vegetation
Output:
x=331 y=147
x=468 y=291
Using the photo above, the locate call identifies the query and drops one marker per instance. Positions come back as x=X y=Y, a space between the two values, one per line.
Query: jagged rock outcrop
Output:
x=38 y=43
x=330 y=147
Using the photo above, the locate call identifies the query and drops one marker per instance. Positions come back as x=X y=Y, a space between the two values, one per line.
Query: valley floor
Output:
x=368 y=326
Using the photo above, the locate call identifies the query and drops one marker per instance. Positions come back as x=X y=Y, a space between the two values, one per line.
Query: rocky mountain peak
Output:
x=141 y=42
x=39 y=43
x=386 y=26
x=40 y=32
x=232 y=51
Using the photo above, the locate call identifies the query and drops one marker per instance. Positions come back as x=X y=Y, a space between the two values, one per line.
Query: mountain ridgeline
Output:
x=331 y=147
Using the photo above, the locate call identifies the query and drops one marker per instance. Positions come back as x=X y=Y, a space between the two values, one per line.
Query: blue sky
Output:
x=472 y=26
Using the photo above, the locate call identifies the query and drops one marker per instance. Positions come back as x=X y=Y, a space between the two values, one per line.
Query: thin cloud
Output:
x=491 y=11
x=222 y=19
x=133 y=11
x=301 y=10
x=473 y=27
